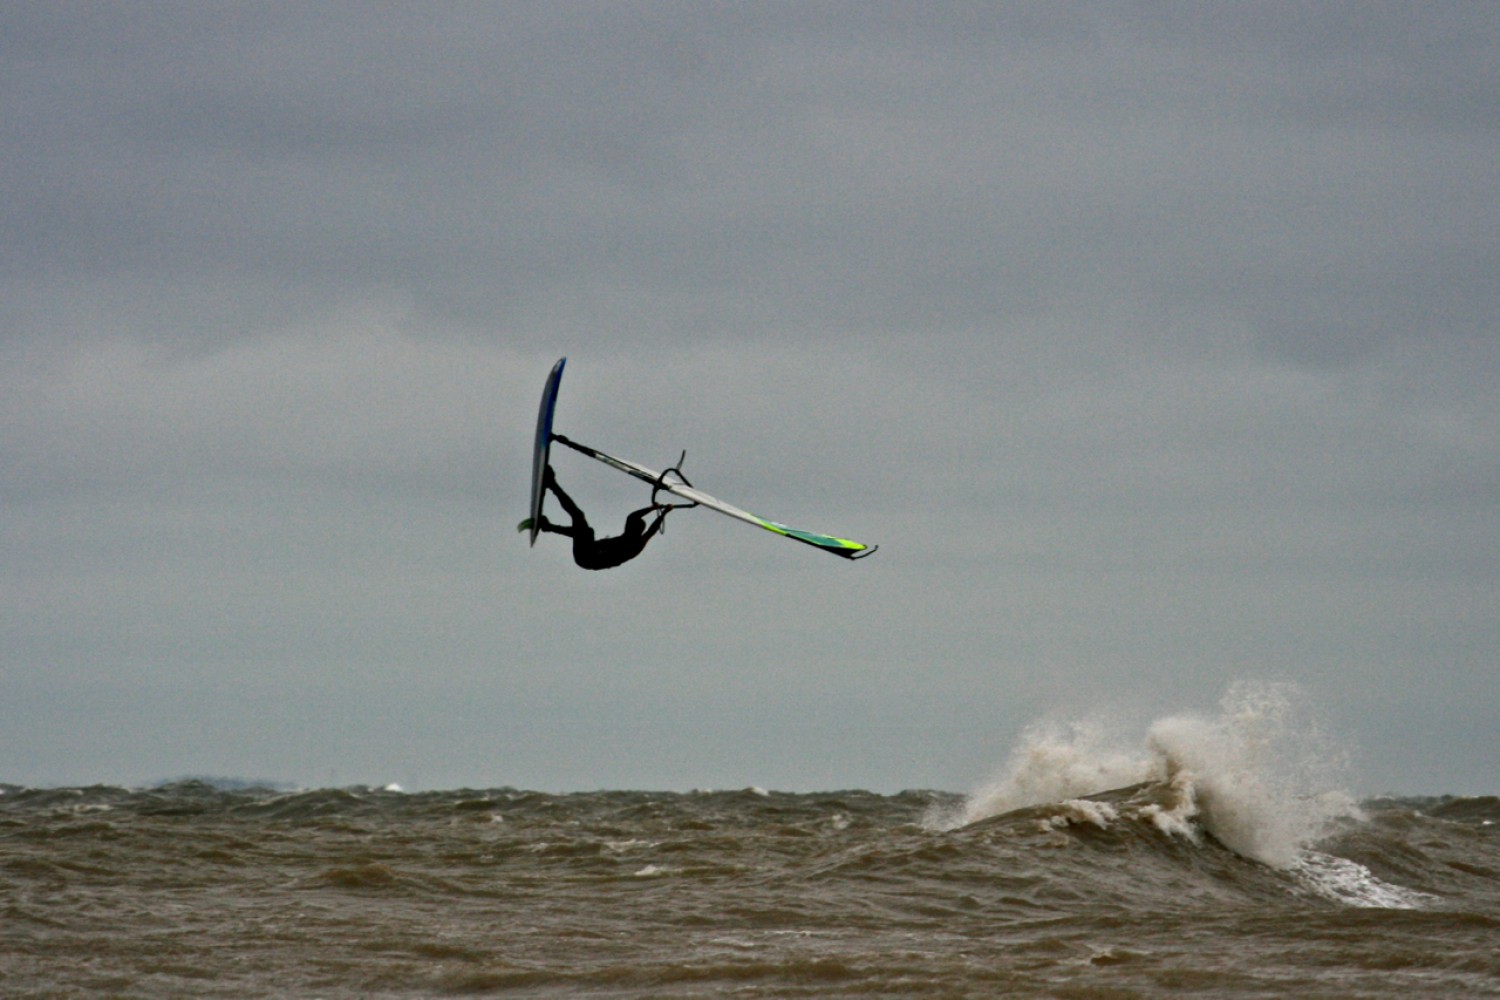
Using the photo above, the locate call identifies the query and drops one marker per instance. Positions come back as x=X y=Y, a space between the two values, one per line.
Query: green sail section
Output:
x=838 y=546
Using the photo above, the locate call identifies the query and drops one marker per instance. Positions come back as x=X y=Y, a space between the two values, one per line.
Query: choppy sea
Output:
x=1213 y=875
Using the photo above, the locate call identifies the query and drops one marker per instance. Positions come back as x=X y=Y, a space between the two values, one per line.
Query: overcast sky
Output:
x=1155 y=344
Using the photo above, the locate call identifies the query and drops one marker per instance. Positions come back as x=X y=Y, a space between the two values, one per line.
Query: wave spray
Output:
x=1260 y=776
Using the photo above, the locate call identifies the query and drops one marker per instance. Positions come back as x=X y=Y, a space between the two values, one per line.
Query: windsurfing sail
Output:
x=673 y=482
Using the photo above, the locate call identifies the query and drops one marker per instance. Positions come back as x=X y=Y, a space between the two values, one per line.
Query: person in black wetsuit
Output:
x=600 y=553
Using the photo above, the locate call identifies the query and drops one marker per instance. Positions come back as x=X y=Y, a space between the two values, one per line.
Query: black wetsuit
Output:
x=601 y=553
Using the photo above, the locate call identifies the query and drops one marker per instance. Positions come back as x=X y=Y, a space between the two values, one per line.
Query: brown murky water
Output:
x=191 y=891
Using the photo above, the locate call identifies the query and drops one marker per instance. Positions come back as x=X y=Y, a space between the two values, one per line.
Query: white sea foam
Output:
x=1353 y=884
x=1258 y=776
x=1100 y=814
x=1175 y=818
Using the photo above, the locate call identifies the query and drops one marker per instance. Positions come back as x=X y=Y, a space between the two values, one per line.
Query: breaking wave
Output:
x=1260 y=778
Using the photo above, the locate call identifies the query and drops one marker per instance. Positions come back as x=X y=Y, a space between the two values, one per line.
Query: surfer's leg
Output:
x=573 y=510
x=556 y=529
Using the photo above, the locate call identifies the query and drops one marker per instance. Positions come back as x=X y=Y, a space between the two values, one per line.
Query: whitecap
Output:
x=1352 y=884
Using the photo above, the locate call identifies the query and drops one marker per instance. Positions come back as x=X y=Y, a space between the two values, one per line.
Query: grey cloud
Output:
x=1153 y=343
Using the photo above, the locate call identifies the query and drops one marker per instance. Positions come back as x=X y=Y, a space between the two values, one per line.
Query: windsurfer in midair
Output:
x=599 y=553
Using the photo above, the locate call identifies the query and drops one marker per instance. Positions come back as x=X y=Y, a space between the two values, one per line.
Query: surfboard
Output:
x=542 y=449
